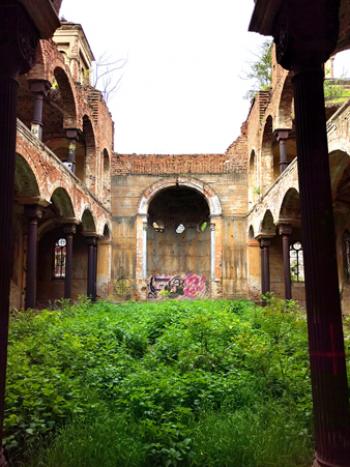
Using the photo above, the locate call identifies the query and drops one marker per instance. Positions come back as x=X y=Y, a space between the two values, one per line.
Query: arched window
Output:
x=346 y=255
x=296 y=257
x=60 y=259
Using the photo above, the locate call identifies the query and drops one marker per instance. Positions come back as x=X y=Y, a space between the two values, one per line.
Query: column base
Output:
x=215 y=289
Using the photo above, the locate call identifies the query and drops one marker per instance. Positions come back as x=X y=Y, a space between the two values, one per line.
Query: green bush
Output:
x=170 y=383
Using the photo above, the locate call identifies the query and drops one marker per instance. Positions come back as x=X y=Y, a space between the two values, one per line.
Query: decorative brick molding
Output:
x=205 y=190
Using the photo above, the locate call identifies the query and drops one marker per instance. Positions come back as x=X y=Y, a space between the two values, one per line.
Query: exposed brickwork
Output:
x=42 y=177
x=169 y=164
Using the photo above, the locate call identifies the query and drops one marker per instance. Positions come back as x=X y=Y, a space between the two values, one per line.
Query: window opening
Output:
x=296 y=257
x=180 y=229
x=158 y=226
x=60 y=258
x=203 y=226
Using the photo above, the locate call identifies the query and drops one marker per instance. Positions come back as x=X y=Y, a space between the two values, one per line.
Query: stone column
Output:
x=285 y=230
x=104 y=267
x=253 y=267
x=73 y=137
x=39 y=89
x=91 y=241
x=141 y=254
x=18 y=41
x=212 y=253
x=282 y=137
x=34 y=214
x=305 y=37
x=94 y=286
x=326 y=341
x=216 y=241
x=144 y=249
x=265 y=243
x=69 y=231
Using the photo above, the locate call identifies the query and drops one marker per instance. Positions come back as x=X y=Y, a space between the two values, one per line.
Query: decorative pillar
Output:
x=104 y=267
x=216 y=240
x=144 y=249
x=326 y=340
x=94 y=288
x=253 y=267
x=18 y=41
x=34 y=214
x=265 y=243
x=306 y=35
x=39 y=89
x=73 y=137
x=282 y=137
x=69 y=231
x=91 y=241
x=285 y=230
x=212 y=252
x=141 y=254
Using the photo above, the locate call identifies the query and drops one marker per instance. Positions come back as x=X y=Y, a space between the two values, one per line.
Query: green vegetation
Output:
x=259 y=71
x=174 y=383
x=336 y=92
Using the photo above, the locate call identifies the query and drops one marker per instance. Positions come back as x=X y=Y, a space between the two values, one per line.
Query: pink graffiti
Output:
x=195 y=286
x=180 y=286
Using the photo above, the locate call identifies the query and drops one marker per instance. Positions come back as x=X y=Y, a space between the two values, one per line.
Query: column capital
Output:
x=91 y=239
x=264 y=235
x=72 y=133
x=285 y=229
x=39 y=86
x=264 y=241
x=306 y=33
x=33 y=211
x=18 y=41
x=70 y=229
x=282 y=134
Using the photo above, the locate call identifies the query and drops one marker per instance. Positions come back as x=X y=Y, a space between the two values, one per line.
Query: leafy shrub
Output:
x=170 y=383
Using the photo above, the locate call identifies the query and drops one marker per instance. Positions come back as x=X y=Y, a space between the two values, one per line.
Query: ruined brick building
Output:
x=146 y=226
x=87 y=220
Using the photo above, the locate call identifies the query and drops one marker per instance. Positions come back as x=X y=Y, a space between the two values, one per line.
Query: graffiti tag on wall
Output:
x=180 y=286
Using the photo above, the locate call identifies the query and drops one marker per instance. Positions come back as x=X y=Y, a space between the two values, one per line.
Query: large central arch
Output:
x=214 y=227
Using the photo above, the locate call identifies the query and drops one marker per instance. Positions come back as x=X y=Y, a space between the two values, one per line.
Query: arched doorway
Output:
x=178 y=243
x=178 y=248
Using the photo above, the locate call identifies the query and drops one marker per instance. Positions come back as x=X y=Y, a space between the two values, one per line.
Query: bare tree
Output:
x=107 y=74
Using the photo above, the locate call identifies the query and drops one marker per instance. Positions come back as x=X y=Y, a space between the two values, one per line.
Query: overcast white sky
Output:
x=182 y=90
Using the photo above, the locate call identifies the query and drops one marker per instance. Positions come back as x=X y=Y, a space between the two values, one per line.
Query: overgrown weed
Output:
x=204 y=383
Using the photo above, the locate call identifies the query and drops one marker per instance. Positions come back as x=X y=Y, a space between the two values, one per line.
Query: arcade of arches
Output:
x=91 y=221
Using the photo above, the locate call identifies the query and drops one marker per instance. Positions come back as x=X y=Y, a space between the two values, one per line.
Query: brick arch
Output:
x=107 y=231
x=26 y=179
x=340 y=177
x=339 y=160
x=266 y=153
x=284 y=113
x=67 y=96
x=89 y=134
x=62 y=200
x=267 y=224
x=186 y=182
x=253 y=177
x=88 y=222
x=251 y=234
x=290 y=206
